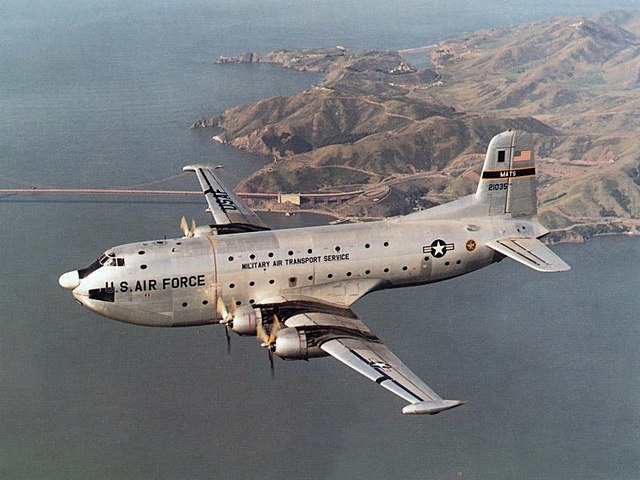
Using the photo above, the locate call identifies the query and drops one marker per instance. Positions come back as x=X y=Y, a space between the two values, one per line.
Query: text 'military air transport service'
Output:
x=293 y=289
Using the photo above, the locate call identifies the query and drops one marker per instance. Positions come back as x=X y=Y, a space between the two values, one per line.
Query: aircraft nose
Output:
x=69 y=280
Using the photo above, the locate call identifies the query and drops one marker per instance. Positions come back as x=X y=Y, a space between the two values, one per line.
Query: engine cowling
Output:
x=291 y=343
x=246 y=320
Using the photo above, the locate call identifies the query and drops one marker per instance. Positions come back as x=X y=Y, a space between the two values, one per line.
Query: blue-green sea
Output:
x=101 y=94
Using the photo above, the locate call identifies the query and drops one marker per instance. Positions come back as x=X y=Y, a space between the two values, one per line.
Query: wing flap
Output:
x=530 y=252
x=228 y=210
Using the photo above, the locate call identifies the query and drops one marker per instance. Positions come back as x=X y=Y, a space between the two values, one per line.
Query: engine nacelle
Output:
x=246 y=320
x=291 y=343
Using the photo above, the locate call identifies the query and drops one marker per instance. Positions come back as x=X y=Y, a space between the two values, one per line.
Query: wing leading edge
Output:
x=352 y=343
x=230 y=213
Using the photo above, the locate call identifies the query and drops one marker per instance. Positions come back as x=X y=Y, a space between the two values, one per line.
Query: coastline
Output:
x=375 y=117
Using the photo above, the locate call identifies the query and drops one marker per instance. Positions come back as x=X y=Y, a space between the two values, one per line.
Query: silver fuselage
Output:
x=177 y=282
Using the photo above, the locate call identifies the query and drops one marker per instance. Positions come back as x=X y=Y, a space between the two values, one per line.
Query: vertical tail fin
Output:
x=508 y=181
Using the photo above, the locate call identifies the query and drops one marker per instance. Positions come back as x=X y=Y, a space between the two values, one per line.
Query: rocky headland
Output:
x=376 y=122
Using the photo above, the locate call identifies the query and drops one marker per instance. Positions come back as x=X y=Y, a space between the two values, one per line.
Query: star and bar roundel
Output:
x=438 y=248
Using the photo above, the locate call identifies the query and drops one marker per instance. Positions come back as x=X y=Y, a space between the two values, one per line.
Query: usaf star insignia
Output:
x=378 y=364
x=438 y=248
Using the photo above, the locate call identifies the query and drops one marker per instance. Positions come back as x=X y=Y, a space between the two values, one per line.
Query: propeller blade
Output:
x=262 y=335
x=193 y=227
x=234 y=306
x=273 y=370
x=221 y=308
x=274 y=329
x=226 y=332
x=184 y=227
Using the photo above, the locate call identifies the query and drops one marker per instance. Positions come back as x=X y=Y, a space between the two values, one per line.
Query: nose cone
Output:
x=69 y=280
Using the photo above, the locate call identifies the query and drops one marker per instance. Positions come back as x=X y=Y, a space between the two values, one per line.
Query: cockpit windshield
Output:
x=107 y=259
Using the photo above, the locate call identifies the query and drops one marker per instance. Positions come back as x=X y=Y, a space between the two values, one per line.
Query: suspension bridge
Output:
x=39 y=190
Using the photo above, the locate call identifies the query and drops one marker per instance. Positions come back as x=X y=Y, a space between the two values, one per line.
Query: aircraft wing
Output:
x=530 y=252
x=352 y=343
x=230 y=213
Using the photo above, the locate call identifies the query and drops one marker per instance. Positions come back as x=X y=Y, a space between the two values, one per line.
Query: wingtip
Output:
x=195 y=166
x=431 y=407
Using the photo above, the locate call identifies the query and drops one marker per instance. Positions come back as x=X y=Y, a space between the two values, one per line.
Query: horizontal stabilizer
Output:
x=530 y=252
x=431 y=407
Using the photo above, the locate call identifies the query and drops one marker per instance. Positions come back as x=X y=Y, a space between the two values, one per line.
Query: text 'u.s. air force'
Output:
x=153 y=284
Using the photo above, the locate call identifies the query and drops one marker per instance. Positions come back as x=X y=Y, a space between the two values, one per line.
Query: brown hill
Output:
x=554 y=67
x=377 y=121
x=430 y=144
x=284 y=126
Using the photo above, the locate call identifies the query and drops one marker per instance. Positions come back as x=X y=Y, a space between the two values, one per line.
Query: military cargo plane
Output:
x=293 y=289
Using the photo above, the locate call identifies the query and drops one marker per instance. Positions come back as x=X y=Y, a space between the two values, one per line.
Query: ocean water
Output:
x=101 y=95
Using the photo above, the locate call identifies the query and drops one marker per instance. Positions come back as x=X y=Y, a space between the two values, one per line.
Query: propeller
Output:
x=184 y=227
x=269 y=340
x=226 y=318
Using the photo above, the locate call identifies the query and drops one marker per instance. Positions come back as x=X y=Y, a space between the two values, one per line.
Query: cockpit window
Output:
x=85 y=272
x=107 y=259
